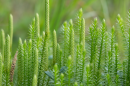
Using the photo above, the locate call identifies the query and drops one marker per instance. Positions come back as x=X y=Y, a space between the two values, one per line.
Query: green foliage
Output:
x=91 y=62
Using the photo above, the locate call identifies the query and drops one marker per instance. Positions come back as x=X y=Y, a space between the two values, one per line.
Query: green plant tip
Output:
x=75 y=84
x=20 y=40
x=104 y=23
x=95 y=20
x=116 y=45
x=65 y=24
x=113 y=29
x=118 y=16
x=62 y=75
x=80 y=12
x=55 y=66
x=69 y=58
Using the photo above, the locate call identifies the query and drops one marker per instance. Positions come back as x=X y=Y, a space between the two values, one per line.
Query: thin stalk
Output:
x=37 y=22
x=7 y=59
x=11 y=30
x=54 y=47
x=47 y=18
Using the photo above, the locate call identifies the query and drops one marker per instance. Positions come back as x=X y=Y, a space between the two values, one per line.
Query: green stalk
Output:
x=83 y=65
x=79 y=23
x=61 y=60
x=121 y=24
x=25 y=63
x=11 y=30
x=101 y=47
x=92 y=43
x=77 y=61
x=36 y=62
x=7 y=59
x=33 y=37
x=106 y=58
x=109 y=62
x=54 y=47
x=1 y=69
x=65 y=43
x=20 y=63
x=108 y=80
x=55 y=75
x=37 y=25
x=34 y=82
x=80 y=65
x=2 y=43
x=94 y=32
x=47 y=18
x=71 y=41
x=69 y=70
x=112 y=54
x=44 y=62
x=112 y=40
x=29 y=62
x=106 y=51
x=82 y=33
x=58 y=56
x=62 y=79
x=32 y=30
x=43 y=35
x=100 y=53
x=39 y=42
x=44 y=59
x=116 y=59
x=88 y=79
x=94 y=68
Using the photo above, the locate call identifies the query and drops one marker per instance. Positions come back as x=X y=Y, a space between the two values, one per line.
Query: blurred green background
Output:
x=24 y=11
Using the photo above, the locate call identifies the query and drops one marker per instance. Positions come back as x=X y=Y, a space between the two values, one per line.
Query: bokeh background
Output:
x=24 y=11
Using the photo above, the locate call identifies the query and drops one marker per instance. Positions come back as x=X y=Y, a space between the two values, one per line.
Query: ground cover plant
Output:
x=76 y=59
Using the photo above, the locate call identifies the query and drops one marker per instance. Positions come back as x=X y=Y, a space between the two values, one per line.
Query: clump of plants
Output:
x=74 y=60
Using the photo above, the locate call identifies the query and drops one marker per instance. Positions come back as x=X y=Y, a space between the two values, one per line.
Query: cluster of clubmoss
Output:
x=75 y=62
